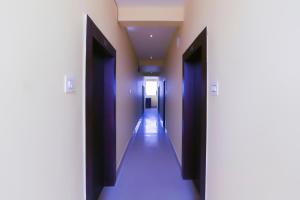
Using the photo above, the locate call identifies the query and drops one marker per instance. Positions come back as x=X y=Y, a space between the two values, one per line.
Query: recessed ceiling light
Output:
x=151 y=35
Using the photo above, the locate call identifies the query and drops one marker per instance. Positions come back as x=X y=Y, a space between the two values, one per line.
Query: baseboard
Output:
x=173 y=149
x=129 y=143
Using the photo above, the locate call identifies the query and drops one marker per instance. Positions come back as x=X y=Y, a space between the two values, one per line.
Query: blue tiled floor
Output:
x=150 y=170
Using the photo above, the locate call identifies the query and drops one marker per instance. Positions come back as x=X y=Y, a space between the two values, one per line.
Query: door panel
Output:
x=100 y=112
x=195 y=113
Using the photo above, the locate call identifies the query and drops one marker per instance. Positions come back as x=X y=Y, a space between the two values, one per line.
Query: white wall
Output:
x=41 y=132
x=154 y=98
x=253 y=131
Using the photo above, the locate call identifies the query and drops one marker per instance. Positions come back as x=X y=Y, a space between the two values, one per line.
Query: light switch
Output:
x=214 y=88
x=69 y=84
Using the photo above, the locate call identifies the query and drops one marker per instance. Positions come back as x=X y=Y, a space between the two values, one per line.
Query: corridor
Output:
x=150 y=170
x=223 y=77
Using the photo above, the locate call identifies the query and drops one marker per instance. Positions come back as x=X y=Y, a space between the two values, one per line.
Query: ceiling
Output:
x=150 y=2
x=149 y=42
x=152 y=48
x=150 y=69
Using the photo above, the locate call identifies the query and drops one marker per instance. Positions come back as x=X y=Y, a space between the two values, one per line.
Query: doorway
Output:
x=143 y=99
x=100 y=112
x=194 y=112
x=158 y=98
x=162 y=102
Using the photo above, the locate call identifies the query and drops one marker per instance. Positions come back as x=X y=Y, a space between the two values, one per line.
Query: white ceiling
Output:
x=145 y=46
x=150 y=2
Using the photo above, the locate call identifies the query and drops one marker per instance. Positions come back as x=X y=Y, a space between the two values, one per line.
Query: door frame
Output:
x=143 y=99
x=95 y=37
x=158 y=98
x=189 y=146
x=164 y=104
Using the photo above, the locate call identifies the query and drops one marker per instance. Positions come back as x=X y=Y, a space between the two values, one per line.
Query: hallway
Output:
x=150 y=170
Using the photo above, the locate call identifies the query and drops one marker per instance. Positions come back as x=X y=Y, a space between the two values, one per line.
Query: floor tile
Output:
x=150 y=170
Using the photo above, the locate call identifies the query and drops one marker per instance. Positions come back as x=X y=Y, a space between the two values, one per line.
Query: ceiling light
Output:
x=151 y=35
x=151 y=57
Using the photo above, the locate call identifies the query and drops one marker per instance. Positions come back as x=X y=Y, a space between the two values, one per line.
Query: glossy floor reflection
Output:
x=150 y=170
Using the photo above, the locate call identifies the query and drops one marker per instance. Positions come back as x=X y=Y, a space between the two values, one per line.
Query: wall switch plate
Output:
x=69 y=86
x=214 y=88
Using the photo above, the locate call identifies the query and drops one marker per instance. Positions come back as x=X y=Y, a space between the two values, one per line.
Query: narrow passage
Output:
x=150 y=170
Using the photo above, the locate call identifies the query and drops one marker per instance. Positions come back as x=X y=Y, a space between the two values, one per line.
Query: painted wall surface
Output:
x=42 y=131
x=253 y=125
x=144 y=14
x=154 y=100
x=129 y=94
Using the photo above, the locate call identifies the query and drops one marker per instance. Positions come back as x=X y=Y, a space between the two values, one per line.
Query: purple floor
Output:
x=150 y=170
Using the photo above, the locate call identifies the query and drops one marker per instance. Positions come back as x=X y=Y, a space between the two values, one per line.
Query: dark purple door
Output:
x=194 y=113
x=100 y=112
